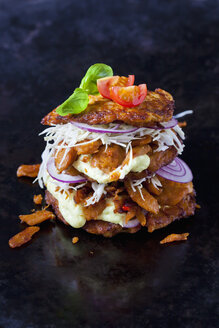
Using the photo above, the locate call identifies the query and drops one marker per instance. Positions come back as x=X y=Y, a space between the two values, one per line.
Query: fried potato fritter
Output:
x=157 y=107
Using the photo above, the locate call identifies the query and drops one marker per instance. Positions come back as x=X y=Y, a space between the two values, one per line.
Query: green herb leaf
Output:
x=95 y=72
x=75 y=104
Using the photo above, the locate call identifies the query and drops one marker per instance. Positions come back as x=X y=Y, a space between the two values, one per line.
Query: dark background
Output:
x=128 y=281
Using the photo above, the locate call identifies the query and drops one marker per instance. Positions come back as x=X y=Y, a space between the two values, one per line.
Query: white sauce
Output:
x=73 y=213
x=138 y=164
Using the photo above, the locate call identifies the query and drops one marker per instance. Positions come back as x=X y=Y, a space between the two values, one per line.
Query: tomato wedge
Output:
x=129 y=96
x=104 y=84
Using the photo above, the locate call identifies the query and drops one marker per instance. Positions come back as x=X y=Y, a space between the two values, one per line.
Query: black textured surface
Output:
x=128 y=281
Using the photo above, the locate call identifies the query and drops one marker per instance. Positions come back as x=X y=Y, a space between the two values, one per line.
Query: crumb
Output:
x=174 y=237
x=182 y=124
x=91 y=252
x=75 y=240
x=37 y=199
x=197 y=206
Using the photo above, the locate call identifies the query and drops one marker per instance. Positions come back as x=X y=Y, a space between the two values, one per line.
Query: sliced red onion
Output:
x=177 y=171
x=166 y=125
x=62 y=177
x=90 y=128
x=131 y=224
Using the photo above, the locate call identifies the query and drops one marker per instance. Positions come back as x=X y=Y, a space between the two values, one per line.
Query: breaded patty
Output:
x=157 y=107
x=165 y=216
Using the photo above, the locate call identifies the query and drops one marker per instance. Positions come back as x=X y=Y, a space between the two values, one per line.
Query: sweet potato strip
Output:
x=28 y=170
x=22 y=237
x=37 y=199
x=174 y=237
x=149 y=203
x=37 y=217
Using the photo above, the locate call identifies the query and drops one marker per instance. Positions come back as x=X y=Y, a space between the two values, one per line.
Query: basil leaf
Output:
x=95 y=72
x=75 y=104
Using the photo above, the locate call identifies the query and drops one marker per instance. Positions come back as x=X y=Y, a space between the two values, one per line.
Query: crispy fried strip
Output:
x=160 y=158
x=152 y=189
x=89 y=148
x=143 y=141
x=22 y=237
x=69 y=158
x=93 y=211
x=28 y=170
x=140 y=216
x=37 y=199
x=37 y=217
x=174 y=237
x=130 y=214
x=173 y=192
x=149 y=203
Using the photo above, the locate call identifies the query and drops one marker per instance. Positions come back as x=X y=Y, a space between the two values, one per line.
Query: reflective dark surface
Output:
x=130 y=280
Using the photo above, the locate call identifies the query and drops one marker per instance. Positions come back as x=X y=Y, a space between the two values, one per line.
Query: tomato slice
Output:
x=104 y=84
x=129 y=96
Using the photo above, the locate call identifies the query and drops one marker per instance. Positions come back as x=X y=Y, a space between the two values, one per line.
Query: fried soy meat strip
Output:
x=37 y=217
x=65 y=158
x=157 y=107
x=69 y=157
x=161 y=158
x=108 y=159
x=173 y=192
x=143 y=198
x=174 y=237
x=28 y=170
x=22 y=237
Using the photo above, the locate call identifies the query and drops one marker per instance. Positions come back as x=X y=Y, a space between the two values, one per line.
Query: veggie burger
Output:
x=111 y=162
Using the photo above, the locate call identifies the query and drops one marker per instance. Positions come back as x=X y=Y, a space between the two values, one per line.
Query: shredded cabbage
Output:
x=67 y=135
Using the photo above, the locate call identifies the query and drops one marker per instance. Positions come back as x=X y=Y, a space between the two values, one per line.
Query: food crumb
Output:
x=174 y=237
x=197 y=206
x=182 y=124
x=75 y=240
x=37 y=199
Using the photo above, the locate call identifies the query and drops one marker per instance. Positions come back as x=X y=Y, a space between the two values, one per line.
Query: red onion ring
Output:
x=177 y=171
x=131 y=224
x=89 y=128
x=62 y=177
